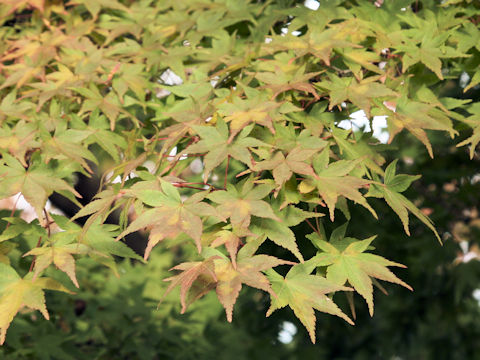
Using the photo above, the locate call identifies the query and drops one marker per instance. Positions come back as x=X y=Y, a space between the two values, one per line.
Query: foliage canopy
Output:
x=240 y=149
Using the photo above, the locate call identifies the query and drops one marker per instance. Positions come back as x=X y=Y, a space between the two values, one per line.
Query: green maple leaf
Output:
x=109 y=104
x=303 y=293
x=474 y=122
x=280 y=81
x=430 y=51
x=36 y=183
x=16 y=293
x=248 y=271
x=390 y=190
x=67 y=144
x=360 y=93
x=170 y=216
x=240 y=205
x=417 y=117
x=19 y=139
x=318 y=42
x=279 y=232
x=215 y=142
x=346 y=260
x=332 y=180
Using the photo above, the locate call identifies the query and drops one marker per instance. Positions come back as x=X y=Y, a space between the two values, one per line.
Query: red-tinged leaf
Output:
x=218 y=145
x=240 y=206
x=332 y=181
x=170 y=216
x=283 y=167
x=190 y=273
x=248 y=271
x=231 y=242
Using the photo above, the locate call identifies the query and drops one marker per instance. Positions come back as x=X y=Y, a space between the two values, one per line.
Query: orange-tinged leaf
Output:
x=59 y=255
x=283 y=167
x=240 y=206
x=219 y=144
x=191 y=271
x=170 y=215
x=248 y=271
x=333 y=181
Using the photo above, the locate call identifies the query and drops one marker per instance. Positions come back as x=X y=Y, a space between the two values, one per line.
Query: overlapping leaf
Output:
x=217 y=144
x=346 y=260
x=332 y=180
x=169 y=216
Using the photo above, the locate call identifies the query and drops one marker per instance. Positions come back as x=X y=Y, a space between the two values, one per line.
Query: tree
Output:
x=217 y=128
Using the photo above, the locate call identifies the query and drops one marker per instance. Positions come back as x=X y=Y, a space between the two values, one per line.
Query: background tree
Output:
x=219 y=132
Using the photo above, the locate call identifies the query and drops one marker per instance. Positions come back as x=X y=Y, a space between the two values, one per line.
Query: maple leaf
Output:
x=215 y=141
x=16 y=293
x=359 y=93
x=169 y=216
x=36 y=183
x=58 y=253
x=303 y=293
x=239 y=206
x=279 y=231
x=66 y=144
x=231 y=242
x=109 y=104
x=248 y=271
x=390 y=191
x=416 y=117
x=318 y=42
x=19 y=140
x=255 y=109
x=280 y=81
x=192 y=271
x=346 y=260
x=474 y=122
x=356 y=149
x=332 y=180
x=429 y=52
x=283 y=167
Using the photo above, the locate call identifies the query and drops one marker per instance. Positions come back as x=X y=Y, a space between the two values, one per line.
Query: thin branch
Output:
x=313 y=227
x=35 y=256
x=226 y=173
x=13 y=210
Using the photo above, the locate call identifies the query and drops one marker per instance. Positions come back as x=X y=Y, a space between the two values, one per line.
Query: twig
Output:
x=226 y=173
x=313 y=227
x=13 y=210
x=35 y=256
